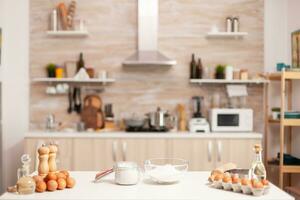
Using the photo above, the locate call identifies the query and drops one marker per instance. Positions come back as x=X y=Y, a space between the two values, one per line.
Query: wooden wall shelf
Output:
x=72 y=81
x=68 y=33
x=230 y=35
x=224 y=81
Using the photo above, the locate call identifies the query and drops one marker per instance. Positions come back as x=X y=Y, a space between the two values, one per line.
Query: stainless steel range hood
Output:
x=147 y=53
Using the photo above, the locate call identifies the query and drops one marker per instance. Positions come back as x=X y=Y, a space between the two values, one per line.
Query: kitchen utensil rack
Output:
x=230 y=35
x=224 y=81
x=83 y=33
x=286 y=79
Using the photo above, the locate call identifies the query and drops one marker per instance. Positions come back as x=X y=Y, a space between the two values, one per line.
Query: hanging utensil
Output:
x=70 y=109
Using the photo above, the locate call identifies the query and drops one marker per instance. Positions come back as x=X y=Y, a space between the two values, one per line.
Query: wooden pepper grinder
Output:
x=43 y=167
x=52 y=158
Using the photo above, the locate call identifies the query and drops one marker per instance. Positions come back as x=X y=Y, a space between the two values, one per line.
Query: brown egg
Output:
x=62 y=184
x=254 y=181
x=65 y=172
x=258 y=185
x=236 y=179
x=245 y=181
x=51 y=176
x=41 y=186
x=37 y=178
x=265 y=182
x=52 y=185
x=227 y=179
x=211 y=178
x=218 y=177
x=61 y=175
x=70 y=182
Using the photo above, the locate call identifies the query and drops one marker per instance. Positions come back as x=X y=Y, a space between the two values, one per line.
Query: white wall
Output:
x=15 y=88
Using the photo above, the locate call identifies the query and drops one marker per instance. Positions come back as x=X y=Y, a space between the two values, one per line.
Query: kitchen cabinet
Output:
x=98 y=153
x=207 y=154
x=199 y=152
x=94 y=154
x=139 y=150
x=238 y=151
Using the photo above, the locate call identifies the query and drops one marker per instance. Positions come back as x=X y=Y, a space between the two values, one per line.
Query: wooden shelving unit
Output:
x=286 y=80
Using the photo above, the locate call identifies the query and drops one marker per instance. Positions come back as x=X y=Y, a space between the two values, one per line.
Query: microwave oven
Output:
x=231 y=120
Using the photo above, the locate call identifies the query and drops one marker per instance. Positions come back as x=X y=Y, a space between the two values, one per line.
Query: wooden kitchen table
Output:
x=192 y=187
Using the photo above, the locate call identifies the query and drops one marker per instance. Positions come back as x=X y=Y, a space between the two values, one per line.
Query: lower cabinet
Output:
x=86 y=154
x=199 y=152
x=238 y=151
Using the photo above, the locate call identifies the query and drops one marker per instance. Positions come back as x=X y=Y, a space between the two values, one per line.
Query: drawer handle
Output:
x=209 y=151
x=114 y=150
x=124 y=149
x=219 y=144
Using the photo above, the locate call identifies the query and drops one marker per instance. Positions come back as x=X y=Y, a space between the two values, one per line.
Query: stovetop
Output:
x=141 y=129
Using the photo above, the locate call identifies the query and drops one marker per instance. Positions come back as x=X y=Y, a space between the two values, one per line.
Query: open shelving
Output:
x=79 y=33
x=286 y=125
x=72 y=81
x=224 y=81
x=232 y=35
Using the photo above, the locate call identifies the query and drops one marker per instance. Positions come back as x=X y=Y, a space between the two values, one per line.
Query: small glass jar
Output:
x=59 y=72
x=126 y=173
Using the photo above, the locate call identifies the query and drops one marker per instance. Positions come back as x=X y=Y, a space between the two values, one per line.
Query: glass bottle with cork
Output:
x=80 y=62
x=193 y=68
x=258 y=170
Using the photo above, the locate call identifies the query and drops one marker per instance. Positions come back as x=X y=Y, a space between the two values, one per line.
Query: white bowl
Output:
x=165 y=170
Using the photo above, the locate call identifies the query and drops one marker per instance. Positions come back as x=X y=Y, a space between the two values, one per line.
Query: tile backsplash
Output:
x=112 y=25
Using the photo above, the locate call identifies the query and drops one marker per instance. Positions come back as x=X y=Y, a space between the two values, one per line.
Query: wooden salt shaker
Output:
x=52 y=158
x=43 y=167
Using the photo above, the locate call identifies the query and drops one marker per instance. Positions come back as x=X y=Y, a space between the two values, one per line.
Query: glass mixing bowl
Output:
x=165 y=170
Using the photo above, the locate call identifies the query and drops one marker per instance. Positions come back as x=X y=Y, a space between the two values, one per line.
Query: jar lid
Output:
x=125 y=165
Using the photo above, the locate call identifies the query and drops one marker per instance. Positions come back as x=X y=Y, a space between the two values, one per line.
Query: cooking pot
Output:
x=134 y=122
x=160 y=119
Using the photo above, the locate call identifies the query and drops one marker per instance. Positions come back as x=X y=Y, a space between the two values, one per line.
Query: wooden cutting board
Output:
x=92 y=114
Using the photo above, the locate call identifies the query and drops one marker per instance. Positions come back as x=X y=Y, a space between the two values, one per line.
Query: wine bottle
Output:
x=80 y=63
x=193 y=67
x=199 y=69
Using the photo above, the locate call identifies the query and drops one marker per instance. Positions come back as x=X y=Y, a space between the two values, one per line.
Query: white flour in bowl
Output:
x=165 y=174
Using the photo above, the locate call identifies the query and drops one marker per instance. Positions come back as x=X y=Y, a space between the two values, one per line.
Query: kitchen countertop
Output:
x=240 y=135
x=193 y=186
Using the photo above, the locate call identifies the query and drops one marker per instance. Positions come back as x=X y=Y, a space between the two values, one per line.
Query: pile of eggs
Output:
x=54 y=181
x=234 y=183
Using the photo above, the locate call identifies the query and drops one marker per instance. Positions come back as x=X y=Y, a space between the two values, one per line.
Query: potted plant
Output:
x=220 y=69
x=275 y=113
x=51 y=70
